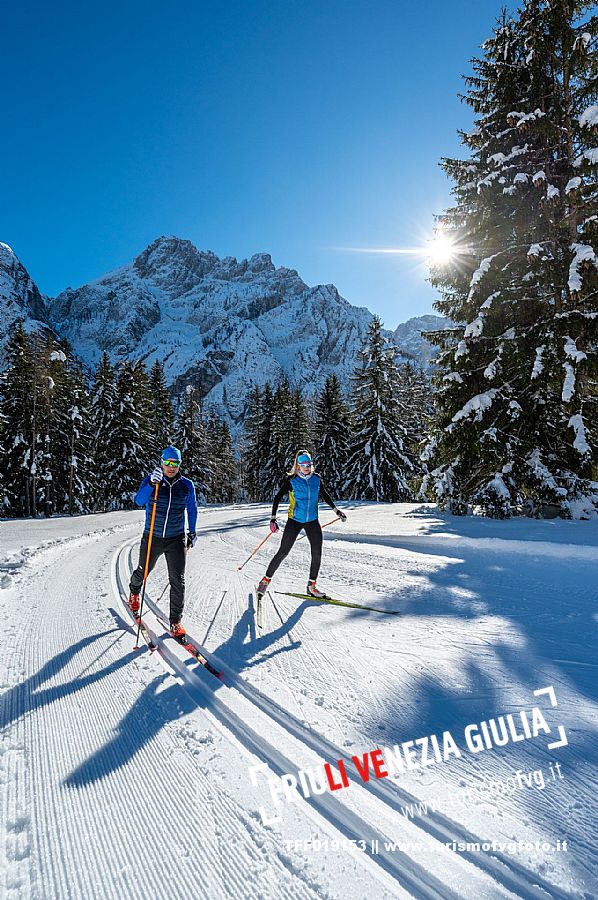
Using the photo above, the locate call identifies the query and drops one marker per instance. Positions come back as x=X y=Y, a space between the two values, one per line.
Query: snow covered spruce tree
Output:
x=132 y=454
x=289 y=432
x=379 y=467
x=257 y=442
x=415 y=403
x=192 y=440
x=16 y=412
x=104 y=412
x=517 y=382
x=332 y=434
x=161 y=410
x=223 y=465
x=71 y=487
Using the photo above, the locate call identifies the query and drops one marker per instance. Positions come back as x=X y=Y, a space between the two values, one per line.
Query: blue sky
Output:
x=297 y=129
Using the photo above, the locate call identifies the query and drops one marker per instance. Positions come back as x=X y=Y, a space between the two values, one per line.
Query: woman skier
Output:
x=305 y=489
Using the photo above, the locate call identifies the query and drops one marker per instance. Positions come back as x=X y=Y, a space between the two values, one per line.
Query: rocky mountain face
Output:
x=19 y=297
x=221 y=325
x=408 y=336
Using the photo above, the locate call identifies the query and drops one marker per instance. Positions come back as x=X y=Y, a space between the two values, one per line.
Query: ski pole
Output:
x=147 y=559
x=269 y=535
x=332 y=521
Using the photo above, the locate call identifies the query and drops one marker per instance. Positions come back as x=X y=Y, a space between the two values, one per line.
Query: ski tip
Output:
x=136 y=647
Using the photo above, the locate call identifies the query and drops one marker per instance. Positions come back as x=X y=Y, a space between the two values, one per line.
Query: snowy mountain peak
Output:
x=19 y=296
x=261 y=262
x=7 y=254
x=222 y=325
x=409 y=337
x=174 y=264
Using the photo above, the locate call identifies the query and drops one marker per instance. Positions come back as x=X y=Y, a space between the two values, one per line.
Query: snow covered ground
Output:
x=130 y=774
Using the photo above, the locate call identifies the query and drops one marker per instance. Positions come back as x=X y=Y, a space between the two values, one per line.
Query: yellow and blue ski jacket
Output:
x=304 y=496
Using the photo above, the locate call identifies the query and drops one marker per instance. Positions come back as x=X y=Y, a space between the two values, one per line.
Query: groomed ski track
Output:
x=247 y=725
x=129 y=772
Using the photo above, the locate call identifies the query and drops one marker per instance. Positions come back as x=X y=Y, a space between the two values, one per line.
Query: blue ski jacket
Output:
x=175 y=495
x=304 y=496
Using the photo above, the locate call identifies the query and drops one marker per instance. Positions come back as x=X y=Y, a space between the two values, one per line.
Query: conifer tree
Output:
x=332 y=430
x=251 y=455
x=161 y=411
x=131 y=458
x=259 y=467
x=192 y=441
x=40 y=458
x=379 y=467
x=73 y=468
x=104 y=413
x=223 y=465
x=16 y=411
x=415 y=406
x=515 y=401
x=288 y=433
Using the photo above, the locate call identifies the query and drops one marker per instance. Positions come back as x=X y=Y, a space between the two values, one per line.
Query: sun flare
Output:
x=441 y=250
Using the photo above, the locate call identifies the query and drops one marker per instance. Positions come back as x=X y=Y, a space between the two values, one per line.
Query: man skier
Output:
x=175 y=495
x=305 y=489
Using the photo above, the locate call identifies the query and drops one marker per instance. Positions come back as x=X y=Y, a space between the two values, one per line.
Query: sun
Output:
x=440 y=250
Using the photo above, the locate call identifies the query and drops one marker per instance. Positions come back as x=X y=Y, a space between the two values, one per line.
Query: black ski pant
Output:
x=313 y=532
x=173 y=549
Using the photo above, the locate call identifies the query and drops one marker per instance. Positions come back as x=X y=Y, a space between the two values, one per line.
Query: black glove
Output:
x=342 y=516
x=274 y=526
x=191 y=539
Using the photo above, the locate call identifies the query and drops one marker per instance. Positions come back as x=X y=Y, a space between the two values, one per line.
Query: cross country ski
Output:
x=332 y=600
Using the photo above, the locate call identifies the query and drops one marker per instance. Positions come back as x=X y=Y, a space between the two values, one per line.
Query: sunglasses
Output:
x=171 y=463
x=305 y=465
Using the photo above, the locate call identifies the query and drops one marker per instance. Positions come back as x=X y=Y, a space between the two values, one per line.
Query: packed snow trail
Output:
x=237 y=717
x=489 y=612
x=112 y=790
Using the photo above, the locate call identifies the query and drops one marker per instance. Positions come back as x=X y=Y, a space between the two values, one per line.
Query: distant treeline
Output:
x=74 y=444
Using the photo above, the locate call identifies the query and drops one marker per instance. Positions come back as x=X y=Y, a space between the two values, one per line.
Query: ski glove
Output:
x=274 y=527
x=191 y=540
x=342 y=516
x=156 y=476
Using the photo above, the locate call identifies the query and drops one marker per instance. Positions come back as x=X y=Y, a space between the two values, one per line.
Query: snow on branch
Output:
x=589 y=117
x=538 y=364
x=573 y=184
x=569 y=382
x=462 y=349
x=543 y=474
x=584 y=257
x=477 y=406
x=519 y=118
x=479 y=273
x=475 y=328
x=453 y=377
x=498 y=487
x=571 y=350
x=580 y=443
x=591 y=155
